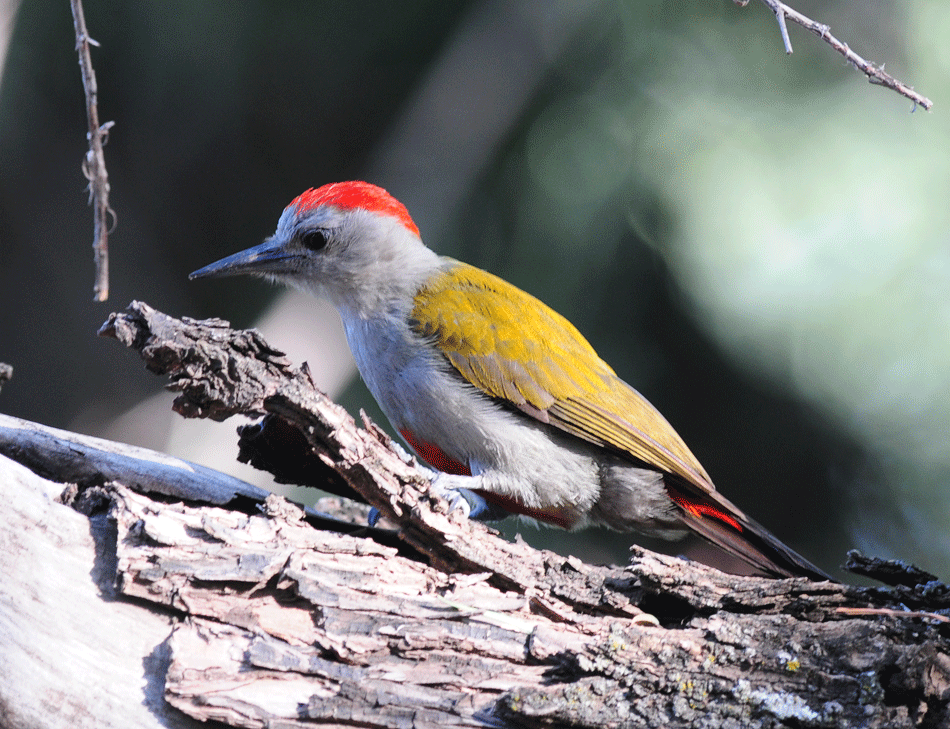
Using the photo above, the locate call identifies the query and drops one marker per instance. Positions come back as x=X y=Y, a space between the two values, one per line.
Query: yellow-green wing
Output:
x=515 y=348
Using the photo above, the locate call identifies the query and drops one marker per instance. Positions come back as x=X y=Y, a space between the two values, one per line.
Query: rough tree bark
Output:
x=247 y=610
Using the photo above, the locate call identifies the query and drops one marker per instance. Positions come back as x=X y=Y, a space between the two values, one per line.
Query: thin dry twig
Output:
x=94 y=163
x=875 y=74
x=892 y=613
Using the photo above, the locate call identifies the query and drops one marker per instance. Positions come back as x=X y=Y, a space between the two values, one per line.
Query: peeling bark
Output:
x=277 y=619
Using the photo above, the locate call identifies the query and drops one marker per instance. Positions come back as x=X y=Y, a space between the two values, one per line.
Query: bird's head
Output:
x=350 y=242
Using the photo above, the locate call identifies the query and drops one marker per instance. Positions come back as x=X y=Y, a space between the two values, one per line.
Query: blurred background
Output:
x=757 y=242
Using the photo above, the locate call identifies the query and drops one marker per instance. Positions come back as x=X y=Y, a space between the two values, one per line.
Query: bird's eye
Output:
x=314 y=240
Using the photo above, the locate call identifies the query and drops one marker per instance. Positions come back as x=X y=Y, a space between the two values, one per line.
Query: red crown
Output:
x=354 y=195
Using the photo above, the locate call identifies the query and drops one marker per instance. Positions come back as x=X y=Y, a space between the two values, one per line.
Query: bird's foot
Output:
x=470 y=503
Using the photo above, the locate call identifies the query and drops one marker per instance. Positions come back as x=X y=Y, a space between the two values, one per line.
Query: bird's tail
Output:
x=714 y=517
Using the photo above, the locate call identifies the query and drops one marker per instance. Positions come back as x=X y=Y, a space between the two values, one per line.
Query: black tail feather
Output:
x=716 y=519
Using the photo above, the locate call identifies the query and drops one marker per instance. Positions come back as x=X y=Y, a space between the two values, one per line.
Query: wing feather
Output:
x=516 y=349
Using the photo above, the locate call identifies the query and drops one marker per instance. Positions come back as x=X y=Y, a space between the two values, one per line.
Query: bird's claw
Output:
x=472 y=504
x=459 y=499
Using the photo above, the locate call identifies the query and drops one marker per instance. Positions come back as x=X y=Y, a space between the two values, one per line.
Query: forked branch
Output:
x=875 y=73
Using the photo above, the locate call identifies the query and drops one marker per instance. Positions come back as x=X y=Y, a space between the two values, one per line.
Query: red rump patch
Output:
x=704 y=510
x=435 y=456
x=352 y=195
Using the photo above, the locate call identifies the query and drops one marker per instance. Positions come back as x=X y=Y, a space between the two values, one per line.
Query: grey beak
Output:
x=268 y=257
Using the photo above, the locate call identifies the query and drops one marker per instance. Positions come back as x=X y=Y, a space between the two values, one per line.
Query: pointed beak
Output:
x=268 y=257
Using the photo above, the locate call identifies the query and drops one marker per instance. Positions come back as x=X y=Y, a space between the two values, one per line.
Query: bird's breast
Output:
x=416 y=387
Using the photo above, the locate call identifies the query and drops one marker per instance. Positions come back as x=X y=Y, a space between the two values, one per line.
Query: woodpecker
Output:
x=495 y=390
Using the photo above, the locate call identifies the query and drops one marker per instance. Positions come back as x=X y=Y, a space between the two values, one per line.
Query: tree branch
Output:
x=346 y=631
x=94 y=163
x=875 y=74
x=177 y=587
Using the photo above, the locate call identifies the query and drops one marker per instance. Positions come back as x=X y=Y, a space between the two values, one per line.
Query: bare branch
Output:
x=891 y=612
x=277 y=621
x=94 y=163
x=875 y=74
x=783 y=27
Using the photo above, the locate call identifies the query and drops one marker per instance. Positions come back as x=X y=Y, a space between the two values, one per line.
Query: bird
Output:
x=496 y=391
